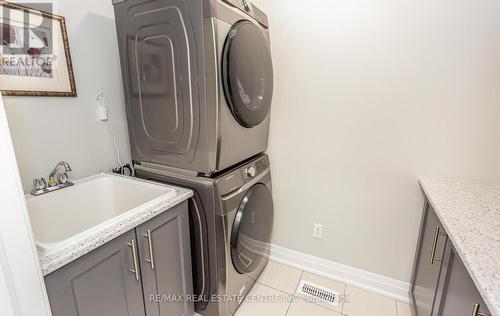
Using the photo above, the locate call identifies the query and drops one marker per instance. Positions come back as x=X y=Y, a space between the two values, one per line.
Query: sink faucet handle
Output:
x=62 y=178
x=39 y=184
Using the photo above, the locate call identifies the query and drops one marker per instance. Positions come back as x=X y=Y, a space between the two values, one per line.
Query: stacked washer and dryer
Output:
x=198 y=84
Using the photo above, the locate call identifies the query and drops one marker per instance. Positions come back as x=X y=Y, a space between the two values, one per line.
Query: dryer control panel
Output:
x=249 y=8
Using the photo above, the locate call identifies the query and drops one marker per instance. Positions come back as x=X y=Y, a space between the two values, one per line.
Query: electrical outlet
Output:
x=318 y=231
x=102 y=107
x=102 y=113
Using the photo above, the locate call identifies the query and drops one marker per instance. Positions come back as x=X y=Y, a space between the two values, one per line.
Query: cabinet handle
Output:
x=135 y=270
x=150 y=244
x=437 y=233
x=475 y=311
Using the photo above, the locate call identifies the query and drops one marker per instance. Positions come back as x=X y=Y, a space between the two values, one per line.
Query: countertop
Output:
x=470 y=214
x=112 y=229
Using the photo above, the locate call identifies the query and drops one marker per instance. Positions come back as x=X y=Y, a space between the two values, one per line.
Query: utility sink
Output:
x=60 y=217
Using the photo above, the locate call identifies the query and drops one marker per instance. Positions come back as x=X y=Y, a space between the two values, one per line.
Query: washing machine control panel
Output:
x=253 y=169
x=250 y=172
x=238 y=177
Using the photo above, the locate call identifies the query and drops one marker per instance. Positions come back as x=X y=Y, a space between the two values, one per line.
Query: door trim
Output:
x=19 y=262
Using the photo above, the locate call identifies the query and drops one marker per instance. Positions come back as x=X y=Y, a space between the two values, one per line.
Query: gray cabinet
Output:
x=144 y=272
x=441 y=285
x=99 y=283
x=164 y=248
x=428 y=263
x=460 y=294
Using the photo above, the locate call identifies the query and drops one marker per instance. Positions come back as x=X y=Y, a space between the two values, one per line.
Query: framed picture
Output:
x=34 y=54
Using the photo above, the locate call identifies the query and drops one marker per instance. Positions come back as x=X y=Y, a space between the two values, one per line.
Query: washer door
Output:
x=247 y=74
x=251 y=233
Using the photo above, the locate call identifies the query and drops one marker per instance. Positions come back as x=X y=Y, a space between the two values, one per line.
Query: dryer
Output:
x=231 y=218
x=198 y=81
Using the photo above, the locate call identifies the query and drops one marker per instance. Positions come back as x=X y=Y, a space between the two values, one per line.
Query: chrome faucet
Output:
x=57 y=180
x=52 y=176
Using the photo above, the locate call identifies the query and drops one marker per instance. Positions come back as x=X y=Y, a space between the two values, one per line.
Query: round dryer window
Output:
x=251 y=233
x=247 y=73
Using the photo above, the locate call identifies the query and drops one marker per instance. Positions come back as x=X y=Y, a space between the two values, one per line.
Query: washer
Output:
x=232 y=218
x=198 y=81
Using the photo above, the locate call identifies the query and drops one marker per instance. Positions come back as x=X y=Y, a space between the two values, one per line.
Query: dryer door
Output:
x=247 y=74
x=251 y=233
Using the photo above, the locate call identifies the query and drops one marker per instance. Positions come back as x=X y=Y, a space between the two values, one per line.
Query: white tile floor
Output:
x=277 y=284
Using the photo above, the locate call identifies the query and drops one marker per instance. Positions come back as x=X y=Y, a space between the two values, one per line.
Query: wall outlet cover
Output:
x=318 y=231
x=102 y=107
x=102 y=113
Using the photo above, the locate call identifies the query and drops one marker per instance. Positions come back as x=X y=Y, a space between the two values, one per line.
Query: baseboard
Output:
x=356 y=277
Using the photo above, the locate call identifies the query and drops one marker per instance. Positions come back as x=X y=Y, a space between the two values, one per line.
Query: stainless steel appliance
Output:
x=231 y=223
x=198 y=81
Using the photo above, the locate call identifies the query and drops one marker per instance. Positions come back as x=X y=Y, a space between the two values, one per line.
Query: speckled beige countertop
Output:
x=470 y=214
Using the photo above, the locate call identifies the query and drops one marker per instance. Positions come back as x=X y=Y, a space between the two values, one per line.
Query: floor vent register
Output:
x=318 y=293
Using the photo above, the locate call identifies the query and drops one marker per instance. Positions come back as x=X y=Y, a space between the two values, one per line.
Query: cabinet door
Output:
x=100 y=283
x=426 y=271
x=165 y=253
x=460 y=294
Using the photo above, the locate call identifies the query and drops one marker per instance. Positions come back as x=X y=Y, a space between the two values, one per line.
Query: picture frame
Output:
x=35 y=58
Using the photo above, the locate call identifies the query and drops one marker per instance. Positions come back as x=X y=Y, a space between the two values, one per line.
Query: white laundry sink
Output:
x=61 y=216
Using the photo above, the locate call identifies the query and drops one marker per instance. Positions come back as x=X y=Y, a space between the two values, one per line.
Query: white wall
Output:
x=370 y=95
x=47 y=130
x=22 y=292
